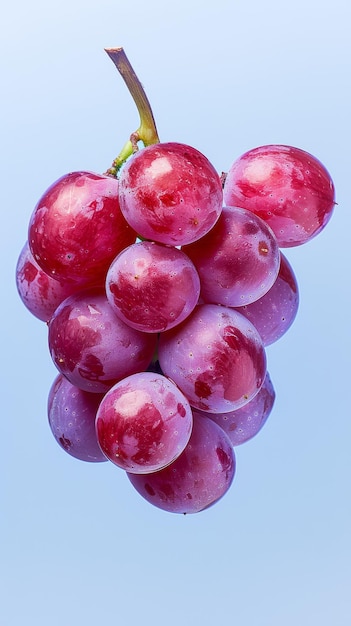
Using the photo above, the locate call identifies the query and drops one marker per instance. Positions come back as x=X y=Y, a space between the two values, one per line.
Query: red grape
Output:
x=161 y=284
x=244 y=423
x=287 y=187
x=39 y=293
x=274 y=313
x=72 y=414
x=238 y=260
x=198 y=478
x=216 y=357
x=77 y=228
x=152 y=287
x=143 y=423
x=170 y=193
x=92 y=347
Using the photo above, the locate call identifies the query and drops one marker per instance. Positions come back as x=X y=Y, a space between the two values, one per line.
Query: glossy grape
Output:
x=274 y=313
x=72 y=414
x=216 y=357
x=77 y=228
x=161 y=284
x=244 y=423
x=238 y=260
x=198 y=478
x=40 y=293
x=287 y=187
x=143 y=423
x=152 y=287
x=92 y=347
x=170 y=193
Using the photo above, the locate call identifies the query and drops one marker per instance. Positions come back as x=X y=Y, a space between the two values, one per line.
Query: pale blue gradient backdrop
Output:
x=78 y=545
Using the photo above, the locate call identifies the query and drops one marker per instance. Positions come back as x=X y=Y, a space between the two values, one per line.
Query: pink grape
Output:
x=39 y=293
x=274 y=313
x=198 y=478
x=161 y=284
x=92 y=347
x=170 y=193
x=216 y=357
x=238 y=260
x=285 y=186
x=152 y=287
x=143 y=423
x=77 y=228
x=244 y=423
x=72 y=414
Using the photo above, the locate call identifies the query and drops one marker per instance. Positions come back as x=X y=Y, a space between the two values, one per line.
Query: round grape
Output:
x=92 y=347
x=77 y=228
x=143 y=423
x=170 y=193
x=216 y=357
x=40 y=293
x=274 y=313
x=285 y=186
x=238 y=260
x=198 y=478
x=72 y=414
x=244 y=423
x=152 y=287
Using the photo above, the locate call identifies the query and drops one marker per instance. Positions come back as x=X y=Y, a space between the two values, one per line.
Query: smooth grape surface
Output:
x=143 y=423
x=238 y=260
x=77 y=228
x=287 y=187
x=244 y=423
x=170 y=193
x=274 y=313
x=92 y=347
x=198 y=478
x=161 y=284
x=216 y=357
x=39 y=293
x=152 y=287
x=72 y=414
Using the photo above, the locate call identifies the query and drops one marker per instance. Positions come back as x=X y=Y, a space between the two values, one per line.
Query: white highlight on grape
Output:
x=141 y=266
x=131 y=402
x=259 y=170
x=158 y=167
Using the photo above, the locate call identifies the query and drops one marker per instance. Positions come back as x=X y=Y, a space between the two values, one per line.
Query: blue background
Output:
x=78 y=545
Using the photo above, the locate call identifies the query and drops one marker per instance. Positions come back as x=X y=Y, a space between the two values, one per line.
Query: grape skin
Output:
x=198 y=478
x=244 y=423
x=92 y=347
x=216 y=357
x=274 y=313
x=77 y=228
x=71 y=415
x=170 y=193
x=143 y=423
x=213 y=334
x=40 y=293
x=238 y=260
x=152 y=287
x=285 y=186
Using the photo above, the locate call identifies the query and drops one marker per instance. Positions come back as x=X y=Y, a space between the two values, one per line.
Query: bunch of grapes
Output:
x=162 y=283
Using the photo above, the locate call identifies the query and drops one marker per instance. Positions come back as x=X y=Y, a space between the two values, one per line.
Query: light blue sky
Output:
x=78 y=545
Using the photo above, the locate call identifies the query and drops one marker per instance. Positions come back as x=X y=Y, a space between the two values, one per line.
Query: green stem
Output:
x=147 y=132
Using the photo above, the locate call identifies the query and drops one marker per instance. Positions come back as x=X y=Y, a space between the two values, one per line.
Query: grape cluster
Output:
x=161 y=285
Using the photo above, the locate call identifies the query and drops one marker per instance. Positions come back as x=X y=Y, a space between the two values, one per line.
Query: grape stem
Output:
x=147 y=132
